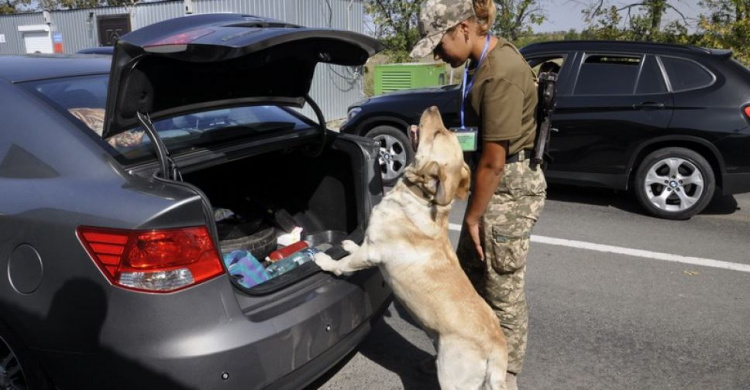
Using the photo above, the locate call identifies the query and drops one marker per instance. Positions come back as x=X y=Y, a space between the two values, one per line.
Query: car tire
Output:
x=395 y=152
x=260 y=243
x=18 y=369
x=674 y=183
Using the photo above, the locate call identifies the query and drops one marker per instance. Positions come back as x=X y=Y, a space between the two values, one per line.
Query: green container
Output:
x=395 y=77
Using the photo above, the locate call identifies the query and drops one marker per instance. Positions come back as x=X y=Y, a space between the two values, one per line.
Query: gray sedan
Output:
x=144 y=195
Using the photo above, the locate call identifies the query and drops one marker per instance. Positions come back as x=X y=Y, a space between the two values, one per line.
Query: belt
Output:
x=522 y=155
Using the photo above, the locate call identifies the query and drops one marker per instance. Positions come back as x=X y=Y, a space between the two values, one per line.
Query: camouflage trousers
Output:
x=505 y=230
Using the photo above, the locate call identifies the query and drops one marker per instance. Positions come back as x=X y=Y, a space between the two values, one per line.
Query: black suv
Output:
x=669 y=121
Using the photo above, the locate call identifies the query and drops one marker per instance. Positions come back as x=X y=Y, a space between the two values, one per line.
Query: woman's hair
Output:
x=485 y=11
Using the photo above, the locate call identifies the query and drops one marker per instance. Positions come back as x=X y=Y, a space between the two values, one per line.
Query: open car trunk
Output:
x=259 y=198
x=235 y=61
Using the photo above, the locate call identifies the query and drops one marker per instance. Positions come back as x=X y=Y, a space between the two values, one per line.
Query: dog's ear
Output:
x=463 y=186
x=452 y=186
x=434 y=180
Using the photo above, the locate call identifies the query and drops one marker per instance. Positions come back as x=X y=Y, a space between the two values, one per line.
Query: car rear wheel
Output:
x=17 y=371
x=674 y=183
x=395 y=152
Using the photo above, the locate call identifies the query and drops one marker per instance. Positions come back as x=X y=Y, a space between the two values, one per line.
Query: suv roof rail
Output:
x=716 y=52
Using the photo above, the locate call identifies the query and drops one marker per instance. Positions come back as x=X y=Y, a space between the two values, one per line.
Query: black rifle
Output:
x=547 y=91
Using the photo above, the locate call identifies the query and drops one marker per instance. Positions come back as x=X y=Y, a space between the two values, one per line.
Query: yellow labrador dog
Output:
x=407 y=238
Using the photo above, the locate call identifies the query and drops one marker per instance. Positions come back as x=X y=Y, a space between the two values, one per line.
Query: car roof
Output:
x=624 y=45
x=42 y=66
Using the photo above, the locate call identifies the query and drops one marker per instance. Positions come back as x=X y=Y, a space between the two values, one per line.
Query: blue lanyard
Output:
x=466 y=89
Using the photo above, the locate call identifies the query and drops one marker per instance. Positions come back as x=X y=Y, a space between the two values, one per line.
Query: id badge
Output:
x=467 y=137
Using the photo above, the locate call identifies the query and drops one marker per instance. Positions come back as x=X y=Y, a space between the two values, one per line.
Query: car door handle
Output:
x=648 y=106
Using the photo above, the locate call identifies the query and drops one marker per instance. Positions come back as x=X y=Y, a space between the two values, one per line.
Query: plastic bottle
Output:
x=304 y=256
x=288 y=263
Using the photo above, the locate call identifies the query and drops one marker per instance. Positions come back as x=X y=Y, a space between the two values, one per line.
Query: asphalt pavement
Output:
x=617 y=300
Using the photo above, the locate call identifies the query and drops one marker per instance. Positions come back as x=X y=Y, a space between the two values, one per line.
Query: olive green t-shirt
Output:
x=502 y=102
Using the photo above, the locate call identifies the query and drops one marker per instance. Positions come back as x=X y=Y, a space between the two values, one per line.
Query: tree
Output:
x=516 y=17
x=396 y=22
x=78 y=4
x=637 y=21
x=396 y=25
x=727 y=11
x=726 y=26
x=13 y=6
x=604 y=23
x=116 y=3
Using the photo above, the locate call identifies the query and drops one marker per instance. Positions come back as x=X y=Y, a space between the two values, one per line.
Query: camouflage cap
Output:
x=437 y=17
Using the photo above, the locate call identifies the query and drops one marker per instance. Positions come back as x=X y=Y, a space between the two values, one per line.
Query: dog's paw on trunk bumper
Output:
x=326 y=263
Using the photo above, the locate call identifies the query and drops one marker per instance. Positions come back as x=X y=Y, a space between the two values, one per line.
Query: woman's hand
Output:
x=472 y=226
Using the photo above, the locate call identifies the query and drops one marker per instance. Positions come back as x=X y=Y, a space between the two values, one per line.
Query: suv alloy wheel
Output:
x=395 y=152
x=674 y=183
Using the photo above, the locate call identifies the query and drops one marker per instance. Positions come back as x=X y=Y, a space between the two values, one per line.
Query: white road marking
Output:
x=633 y=252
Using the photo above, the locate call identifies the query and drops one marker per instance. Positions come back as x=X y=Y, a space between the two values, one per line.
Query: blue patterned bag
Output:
x=245 y=268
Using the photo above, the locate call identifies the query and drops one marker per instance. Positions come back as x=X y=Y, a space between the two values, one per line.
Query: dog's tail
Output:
x=497 y=366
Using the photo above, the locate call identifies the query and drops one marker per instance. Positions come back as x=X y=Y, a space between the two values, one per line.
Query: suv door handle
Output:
x=648 y=106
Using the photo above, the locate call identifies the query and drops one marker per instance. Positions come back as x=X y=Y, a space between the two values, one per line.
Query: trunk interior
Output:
x=258 y=199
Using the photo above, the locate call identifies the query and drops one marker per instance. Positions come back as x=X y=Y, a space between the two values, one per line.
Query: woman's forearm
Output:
x=486 y=180
x=487 y=177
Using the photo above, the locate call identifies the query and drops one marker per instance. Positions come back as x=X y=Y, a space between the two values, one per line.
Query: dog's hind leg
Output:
x=357 y=260
x=459 y=366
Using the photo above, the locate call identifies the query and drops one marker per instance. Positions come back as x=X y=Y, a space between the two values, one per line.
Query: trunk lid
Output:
x=202 y=62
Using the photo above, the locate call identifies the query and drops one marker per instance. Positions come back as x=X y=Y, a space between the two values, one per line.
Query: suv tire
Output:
x=395 y=152
x=674 y=183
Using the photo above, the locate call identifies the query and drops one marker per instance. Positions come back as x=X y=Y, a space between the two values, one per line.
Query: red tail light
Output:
x=153 y=260
x=746 y=110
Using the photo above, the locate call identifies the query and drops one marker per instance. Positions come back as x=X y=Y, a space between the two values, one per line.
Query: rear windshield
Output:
x=84 y=99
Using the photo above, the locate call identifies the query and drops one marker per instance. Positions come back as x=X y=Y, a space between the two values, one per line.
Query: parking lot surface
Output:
x=618 y=300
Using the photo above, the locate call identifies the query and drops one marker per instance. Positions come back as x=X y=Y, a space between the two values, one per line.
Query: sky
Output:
x=564 y=15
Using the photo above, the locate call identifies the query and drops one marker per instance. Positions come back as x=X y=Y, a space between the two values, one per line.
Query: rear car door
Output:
x=613 y=102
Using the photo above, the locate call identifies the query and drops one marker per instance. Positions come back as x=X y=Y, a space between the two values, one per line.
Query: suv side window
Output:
x=603 y=74
x=686 y=74
x=651 y=80
x=550 y=63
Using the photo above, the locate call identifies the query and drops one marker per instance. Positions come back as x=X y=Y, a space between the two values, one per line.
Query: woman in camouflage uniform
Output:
x=500 y=98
